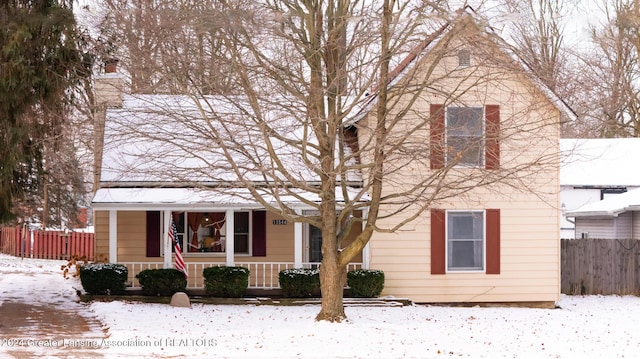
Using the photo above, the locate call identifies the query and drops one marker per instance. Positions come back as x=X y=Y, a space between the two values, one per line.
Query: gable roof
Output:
x=463 y=16
x=609 y=207
x=600 y=162
x=157 y=140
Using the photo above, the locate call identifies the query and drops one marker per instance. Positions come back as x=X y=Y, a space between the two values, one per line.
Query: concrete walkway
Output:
x=40 y=317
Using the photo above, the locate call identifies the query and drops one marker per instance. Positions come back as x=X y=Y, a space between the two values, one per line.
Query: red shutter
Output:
x=492 y=139
x=153 y=234
x=438 y=241
x=259 y=234
x=493 y=241
x=436 y=140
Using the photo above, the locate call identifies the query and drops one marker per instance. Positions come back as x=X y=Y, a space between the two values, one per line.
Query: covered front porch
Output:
x=133 y=229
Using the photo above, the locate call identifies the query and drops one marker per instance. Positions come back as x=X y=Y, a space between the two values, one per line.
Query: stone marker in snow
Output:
x=180 y=299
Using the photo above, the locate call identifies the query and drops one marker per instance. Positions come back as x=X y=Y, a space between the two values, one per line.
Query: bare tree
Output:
x=539 y=36
x=329 y=112
x=609 y=75
x=152 y=35
x=537 y=30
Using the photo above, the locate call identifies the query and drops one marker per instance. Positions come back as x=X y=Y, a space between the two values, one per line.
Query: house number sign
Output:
x=279 y=222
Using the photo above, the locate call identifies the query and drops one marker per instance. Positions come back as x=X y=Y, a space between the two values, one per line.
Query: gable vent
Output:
x=464 y=58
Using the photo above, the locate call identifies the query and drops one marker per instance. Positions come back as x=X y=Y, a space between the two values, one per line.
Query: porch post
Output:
x=230 y=240
x=297 y=244
x=366 y=251
x=165 y=239
x=366 y=255
x=113 y=236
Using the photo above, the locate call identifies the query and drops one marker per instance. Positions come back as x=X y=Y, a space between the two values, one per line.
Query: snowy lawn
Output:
x=583 y=327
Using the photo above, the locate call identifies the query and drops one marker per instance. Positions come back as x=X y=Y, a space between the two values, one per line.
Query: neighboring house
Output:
x=497 y=243
x=612 y=218
x=593 y=170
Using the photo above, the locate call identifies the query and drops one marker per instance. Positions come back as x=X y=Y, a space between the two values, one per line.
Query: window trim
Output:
x=484 y=243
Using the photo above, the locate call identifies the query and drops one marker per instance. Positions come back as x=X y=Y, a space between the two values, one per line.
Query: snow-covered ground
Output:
x=583 y=327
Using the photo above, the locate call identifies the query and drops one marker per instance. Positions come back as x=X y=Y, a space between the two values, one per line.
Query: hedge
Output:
x=161 y=282
x=299 y=282
x=103 y=278
x=365 y=283
x=226 y=282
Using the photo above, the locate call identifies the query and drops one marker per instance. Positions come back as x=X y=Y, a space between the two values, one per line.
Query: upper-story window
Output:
x=465 y=136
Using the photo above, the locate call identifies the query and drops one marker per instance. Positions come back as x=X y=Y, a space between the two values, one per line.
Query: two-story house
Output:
x=480 y=124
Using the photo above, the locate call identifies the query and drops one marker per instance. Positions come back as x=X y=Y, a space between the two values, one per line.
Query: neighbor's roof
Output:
x=600 y=162
x=609 y=207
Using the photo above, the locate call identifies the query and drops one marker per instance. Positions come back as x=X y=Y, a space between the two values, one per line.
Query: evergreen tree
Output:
x=40 y=61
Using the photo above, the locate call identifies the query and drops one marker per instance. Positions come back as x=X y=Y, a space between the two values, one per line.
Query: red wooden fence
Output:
x=17 y=241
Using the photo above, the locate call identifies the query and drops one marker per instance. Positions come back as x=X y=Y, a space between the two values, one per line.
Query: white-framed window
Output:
x=465 y=240
x=464 y=136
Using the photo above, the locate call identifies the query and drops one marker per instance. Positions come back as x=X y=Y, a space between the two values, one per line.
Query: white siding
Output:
x=635 y=224
x=623 y=226
x=620 y=227
x=595 y=228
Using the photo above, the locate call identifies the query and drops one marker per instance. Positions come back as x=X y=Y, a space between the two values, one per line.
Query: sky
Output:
x=580 y=13
x=581 y=327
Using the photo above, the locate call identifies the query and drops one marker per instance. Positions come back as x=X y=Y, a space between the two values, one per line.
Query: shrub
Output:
x=71 y=269
x=103 y=278
x=161 y=282
x=366 y=283
x=226 y=282
x=299 y=282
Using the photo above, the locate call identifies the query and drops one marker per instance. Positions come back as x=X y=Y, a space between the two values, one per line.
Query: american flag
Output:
x=176 y=245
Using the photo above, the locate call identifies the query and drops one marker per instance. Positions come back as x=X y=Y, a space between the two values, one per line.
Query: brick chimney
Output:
x=108 y=90
x=108 y=87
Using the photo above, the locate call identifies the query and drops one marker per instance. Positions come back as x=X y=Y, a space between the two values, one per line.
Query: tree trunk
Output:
x=332 y=280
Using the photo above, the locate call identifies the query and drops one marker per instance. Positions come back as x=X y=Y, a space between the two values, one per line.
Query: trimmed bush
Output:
x=365 y=283
x=226 y=282
x=161 y=282
x=103 y=278
x=299 y=282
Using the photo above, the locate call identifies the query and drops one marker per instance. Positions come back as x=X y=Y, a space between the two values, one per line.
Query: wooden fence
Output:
x=21 y=242
x=600 y=266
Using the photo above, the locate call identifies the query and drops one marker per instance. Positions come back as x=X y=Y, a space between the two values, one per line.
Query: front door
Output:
x=315 y=244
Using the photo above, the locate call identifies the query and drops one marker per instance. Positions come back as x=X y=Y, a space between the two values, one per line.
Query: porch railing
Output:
x=262 y=275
